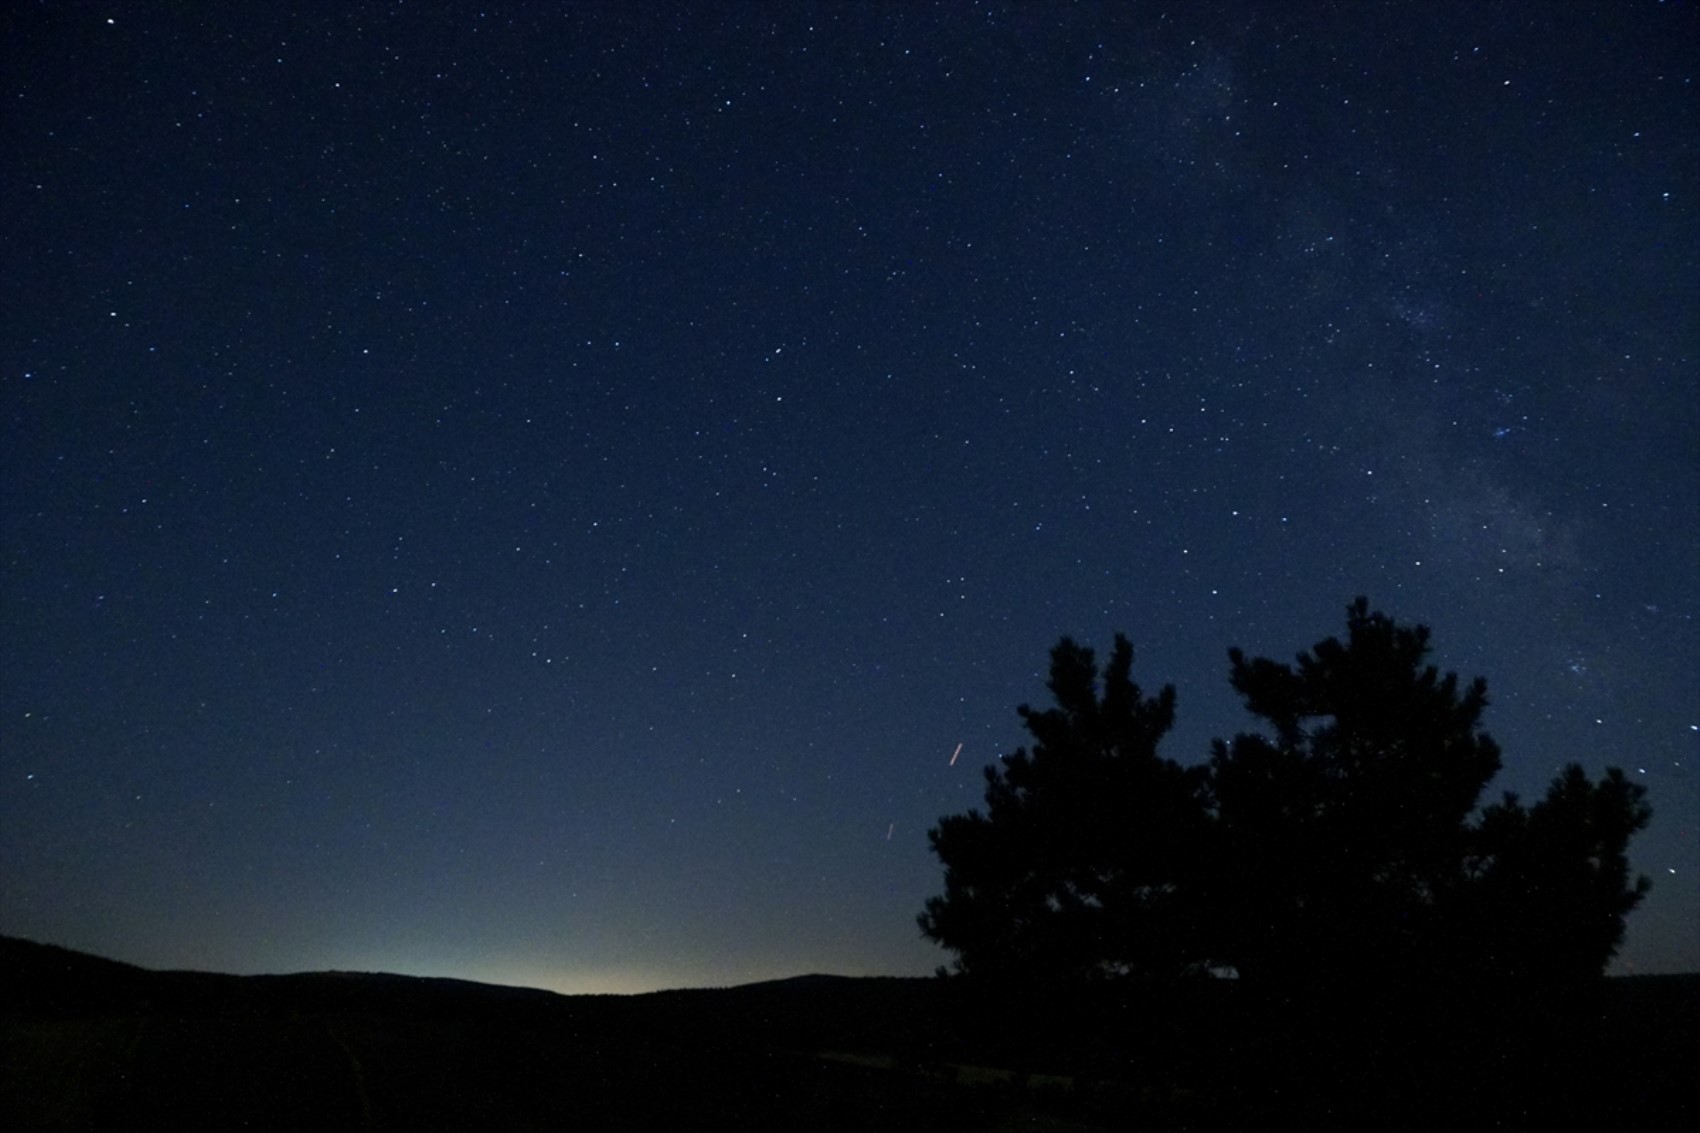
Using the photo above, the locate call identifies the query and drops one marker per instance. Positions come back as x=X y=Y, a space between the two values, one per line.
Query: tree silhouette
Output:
x=1076 y=868
x=1339 y=836
x=1342 y=850
x=1550 y=885
x=1348 y=848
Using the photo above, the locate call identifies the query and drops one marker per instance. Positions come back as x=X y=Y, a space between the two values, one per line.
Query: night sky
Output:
x=539 y=493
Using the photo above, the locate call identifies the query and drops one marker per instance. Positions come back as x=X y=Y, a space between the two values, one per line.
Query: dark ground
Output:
x=89 y=1044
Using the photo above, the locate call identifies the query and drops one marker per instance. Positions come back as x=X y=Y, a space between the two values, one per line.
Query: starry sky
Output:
x=538 y=492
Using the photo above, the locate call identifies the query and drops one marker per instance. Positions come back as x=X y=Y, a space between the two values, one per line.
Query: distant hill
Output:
x=47 y=978
x=92 y=1044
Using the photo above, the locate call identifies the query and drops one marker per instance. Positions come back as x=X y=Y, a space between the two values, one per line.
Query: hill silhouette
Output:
x=90 y=1043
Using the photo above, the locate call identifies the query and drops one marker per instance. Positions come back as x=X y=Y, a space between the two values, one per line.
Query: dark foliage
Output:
x=1550 y=884
x=1075 y=870
x=1342 y=851
x=1338 y=835
x=1403 y=956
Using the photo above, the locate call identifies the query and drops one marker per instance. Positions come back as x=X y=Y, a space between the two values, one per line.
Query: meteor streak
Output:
x=954 y=754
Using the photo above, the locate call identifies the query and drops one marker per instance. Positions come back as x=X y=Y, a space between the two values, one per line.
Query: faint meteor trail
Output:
x=954 y=754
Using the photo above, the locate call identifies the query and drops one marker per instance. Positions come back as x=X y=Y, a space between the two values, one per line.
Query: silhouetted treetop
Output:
x=1342 y=846
x=1084 y=838
x=1551 y=883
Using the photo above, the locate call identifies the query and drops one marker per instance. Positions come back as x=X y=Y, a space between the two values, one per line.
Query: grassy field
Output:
x=86 y=1044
